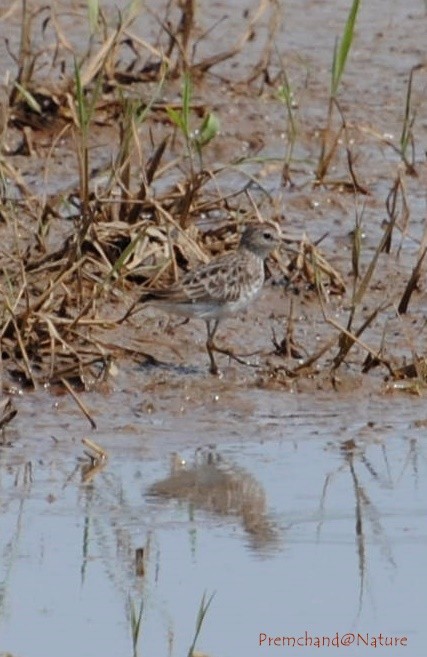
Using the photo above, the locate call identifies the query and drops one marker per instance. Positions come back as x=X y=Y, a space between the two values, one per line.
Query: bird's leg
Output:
x=211 y=327
x=237 y=358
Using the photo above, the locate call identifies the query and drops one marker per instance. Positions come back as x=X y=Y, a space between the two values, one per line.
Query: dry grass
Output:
x=122 y=235
x=70 y=263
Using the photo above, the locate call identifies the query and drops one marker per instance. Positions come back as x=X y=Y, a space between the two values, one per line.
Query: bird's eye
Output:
x=268 y=236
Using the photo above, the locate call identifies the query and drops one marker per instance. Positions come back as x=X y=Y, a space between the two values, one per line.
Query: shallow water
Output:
x=308 y=515
x=302 y=508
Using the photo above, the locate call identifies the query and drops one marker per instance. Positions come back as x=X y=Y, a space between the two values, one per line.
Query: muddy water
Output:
x=301 y=507
x=302 y=512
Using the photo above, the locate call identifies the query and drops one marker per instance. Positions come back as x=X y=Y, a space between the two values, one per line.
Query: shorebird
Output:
x=221 y=288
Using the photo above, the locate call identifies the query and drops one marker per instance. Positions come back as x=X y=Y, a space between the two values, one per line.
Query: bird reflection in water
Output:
x=218 y=486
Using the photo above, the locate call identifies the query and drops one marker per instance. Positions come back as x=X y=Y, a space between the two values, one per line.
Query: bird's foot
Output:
x=238 y=358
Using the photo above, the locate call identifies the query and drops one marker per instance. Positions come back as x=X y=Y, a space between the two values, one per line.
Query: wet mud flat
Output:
x=293 y=488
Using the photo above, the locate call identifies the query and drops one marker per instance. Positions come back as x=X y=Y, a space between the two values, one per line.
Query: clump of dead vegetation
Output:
x=71 y=262
x=121 y=233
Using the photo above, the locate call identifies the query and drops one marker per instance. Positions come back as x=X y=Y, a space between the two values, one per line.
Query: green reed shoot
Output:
x=83 y=126
x=356 y=249
x=341 y=51
x=286 y=96
x=134 y=113
x=181 y=118
x=93 y=14
x=85 y=109
x=135 y=623
x=25 y=60
x=201 y=615
x=342 y=48
x=209 y=128
x=29 y=98
x=207 y=131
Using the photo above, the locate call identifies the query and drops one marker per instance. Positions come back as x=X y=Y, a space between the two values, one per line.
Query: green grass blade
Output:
x=343 y=47
x=176 y=118
x=286 y=96
x=208 y=130
x=80 y=98
x=135 y=623
x=335 y=72
x=201 y=614
x=29 y=98
x=186 y=101
x=115 y=269
x=147 y=109
x=93 y=12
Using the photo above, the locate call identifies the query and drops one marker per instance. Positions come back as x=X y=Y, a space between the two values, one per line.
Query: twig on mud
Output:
x=359 y=292
x=261 y=68
x=79 y=402
x=309 y=362
x=207 y=63
x=287 y=347
x=97 y=459
x=397 y=190
x=312 y=265
x=95 y=449
x=347 y=339
x=411 y=285
x=7 y=412
x=355 y=185
x=19 y=338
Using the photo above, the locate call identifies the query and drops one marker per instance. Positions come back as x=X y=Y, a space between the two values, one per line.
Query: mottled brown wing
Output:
x=220 y=280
